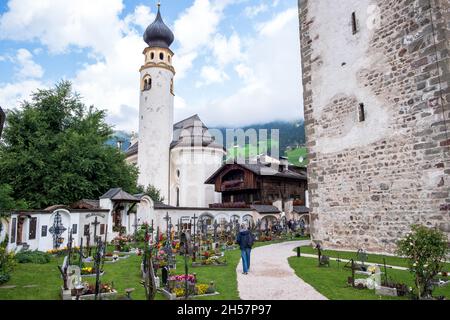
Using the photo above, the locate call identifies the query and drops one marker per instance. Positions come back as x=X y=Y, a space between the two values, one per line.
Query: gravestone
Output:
x=374 y=281
x=74 y=277
x=386 y=291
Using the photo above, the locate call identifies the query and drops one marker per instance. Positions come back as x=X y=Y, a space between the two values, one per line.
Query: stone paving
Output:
x=271 y=277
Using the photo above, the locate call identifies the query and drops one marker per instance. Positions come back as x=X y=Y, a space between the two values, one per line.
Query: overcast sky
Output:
x=237 y=61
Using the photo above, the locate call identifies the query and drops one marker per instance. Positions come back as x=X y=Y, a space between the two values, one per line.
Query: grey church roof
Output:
x=117 y=194
x=301 y=209
x=133 y=149
x=158 y=34
x=192 y=132
x=265 y=208
x=189 y=132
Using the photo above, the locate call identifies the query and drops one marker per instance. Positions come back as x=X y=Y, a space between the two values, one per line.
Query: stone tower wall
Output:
x=156 y=121
x=370 y=180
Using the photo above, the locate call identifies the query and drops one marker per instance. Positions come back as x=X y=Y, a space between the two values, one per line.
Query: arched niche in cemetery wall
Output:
x=248 y=218
x=222 y=218
x=235 y=217
x=59 y=225
x=208 y=217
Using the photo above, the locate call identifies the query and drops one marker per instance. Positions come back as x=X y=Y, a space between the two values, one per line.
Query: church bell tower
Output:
x=156 y=107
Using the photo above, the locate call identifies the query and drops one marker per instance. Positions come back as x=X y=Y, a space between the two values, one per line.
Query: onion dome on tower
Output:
x=158 y=34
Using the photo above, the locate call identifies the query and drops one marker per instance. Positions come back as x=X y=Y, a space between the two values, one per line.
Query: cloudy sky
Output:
x=237 y=61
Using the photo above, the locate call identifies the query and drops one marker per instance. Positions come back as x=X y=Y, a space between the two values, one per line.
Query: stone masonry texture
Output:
x=370 y=180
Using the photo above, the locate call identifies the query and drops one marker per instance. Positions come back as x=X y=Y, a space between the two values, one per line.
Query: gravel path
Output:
x=271 y=277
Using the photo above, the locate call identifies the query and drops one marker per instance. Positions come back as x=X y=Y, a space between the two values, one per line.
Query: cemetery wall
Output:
x=370 y=178
x=185 y=214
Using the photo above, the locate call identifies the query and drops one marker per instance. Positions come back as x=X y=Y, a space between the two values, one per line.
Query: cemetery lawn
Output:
x=332 y=281
x=373 y=258
x=45 y=279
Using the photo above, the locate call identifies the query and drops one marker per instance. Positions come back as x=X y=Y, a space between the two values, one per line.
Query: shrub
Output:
x=36 y=257
x=426 y=250
x=6 y=263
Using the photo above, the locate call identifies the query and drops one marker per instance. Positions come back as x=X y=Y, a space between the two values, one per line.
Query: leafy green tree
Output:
x=7 y=201
x=55 y=151
x=426 y=250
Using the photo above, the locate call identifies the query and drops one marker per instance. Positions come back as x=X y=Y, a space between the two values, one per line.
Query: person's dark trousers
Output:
x=245 y=254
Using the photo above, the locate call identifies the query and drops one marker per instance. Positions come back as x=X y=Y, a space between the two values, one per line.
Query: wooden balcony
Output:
x=232 y=185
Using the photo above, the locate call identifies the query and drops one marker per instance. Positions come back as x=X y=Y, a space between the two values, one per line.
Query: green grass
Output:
x=373 y=258
x=125 y=274
x=295 y=154
x=332 y=281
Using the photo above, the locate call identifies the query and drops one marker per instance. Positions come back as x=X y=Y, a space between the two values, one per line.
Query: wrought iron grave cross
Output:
x=57 y=229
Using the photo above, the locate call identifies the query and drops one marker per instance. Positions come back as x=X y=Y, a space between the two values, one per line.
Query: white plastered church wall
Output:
x=190 y=167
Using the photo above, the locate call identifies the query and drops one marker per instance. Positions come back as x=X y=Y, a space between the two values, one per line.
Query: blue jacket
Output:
x=245 y=240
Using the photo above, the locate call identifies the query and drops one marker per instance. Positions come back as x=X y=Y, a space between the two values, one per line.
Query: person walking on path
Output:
x=245 y=240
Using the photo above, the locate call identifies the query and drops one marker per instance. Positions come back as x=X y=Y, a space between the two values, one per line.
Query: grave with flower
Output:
x=178 y=285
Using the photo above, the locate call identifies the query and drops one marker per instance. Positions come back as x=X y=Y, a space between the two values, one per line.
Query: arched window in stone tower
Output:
x=171 y=86
x=146 y=83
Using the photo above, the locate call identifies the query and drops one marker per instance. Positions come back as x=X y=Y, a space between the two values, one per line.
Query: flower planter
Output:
x=199 y=264
x=171 y=296
x=67 y=295
x=101 y=296
x=92 y=275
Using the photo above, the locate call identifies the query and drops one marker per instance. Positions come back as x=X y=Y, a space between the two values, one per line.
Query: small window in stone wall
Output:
x=152 y=55
x=354 y=24
x=361 y=113
x=102 y=229
x=161 y=56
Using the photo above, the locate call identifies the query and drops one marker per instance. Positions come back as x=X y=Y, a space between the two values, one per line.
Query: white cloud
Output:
x=268 y=65
x=211 y=75
x=194 y=30
x=244 y=72
x=253 y=11
x=277 y=25
x=12 y=94
x=113 y=82
x=271 y=74
x=227 y=50
x=27 y=68
x=180 y=103
x=141 y=17
x=61 y=24
x=27 y=73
